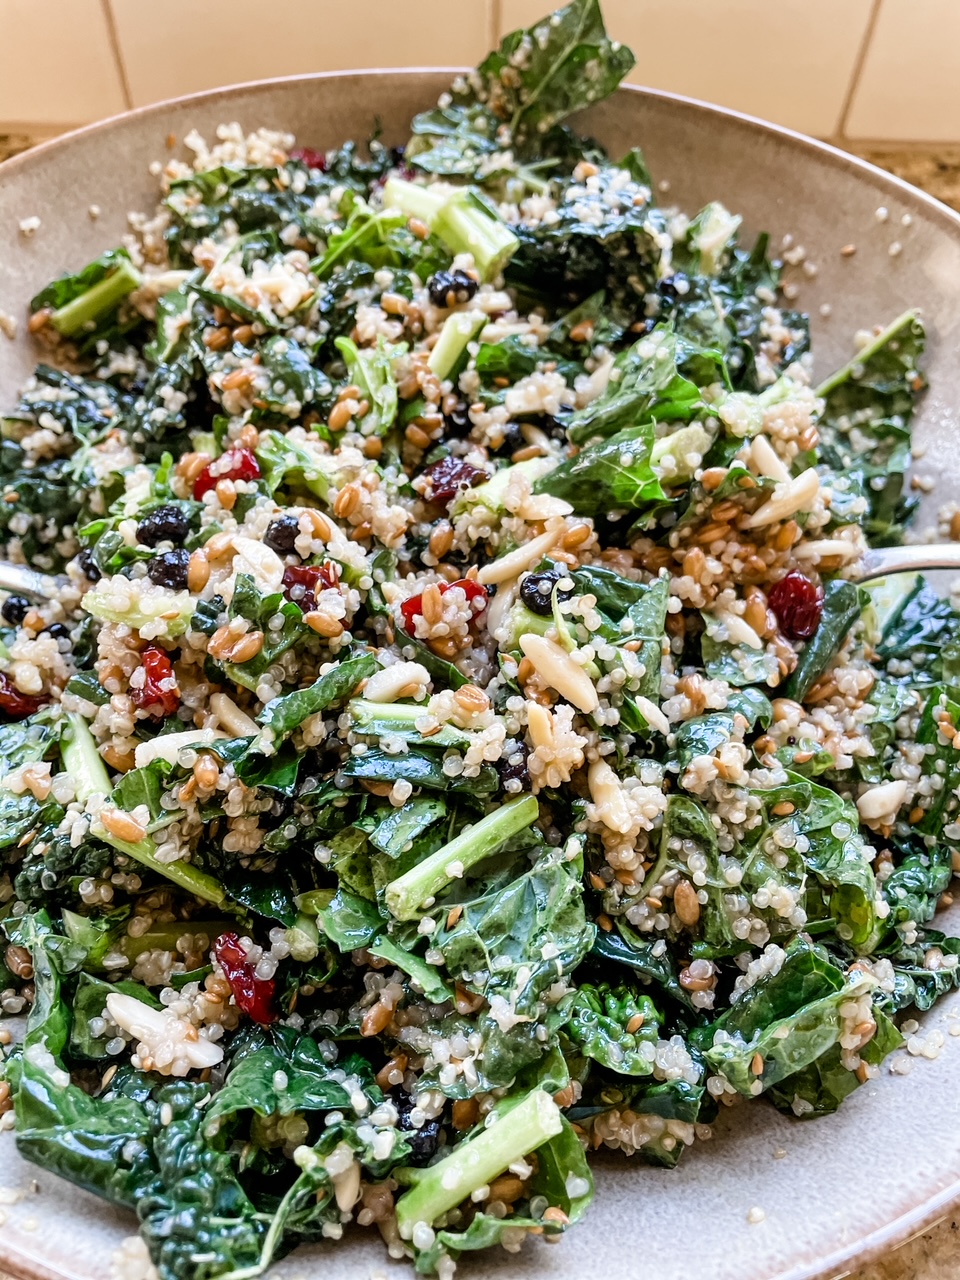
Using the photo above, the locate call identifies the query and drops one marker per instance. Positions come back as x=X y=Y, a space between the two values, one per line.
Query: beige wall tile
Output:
x=56 y=63
x=204 y=43
x=786 y=60
x=910 y=84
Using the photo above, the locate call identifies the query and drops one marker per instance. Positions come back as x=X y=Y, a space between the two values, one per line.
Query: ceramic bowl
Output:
x=834 y=1191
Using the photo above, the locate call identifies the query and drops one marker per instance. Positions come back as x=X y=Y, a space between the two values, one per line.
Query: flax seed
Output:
x=340 y=415
x=634 y=1024
x=441 y=539
x=756 y=1064
x=526 y=453
x=713 y=478
x=582 y=332
x=249 y=437
x=466 y=1113
x=418 y=228
x=363 y=408
x=238 y=378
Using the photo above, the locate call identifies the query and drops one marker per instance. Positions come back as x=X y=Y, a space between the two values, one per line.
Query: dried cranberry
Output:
x=159 y=689
x=301 y=582
x=15 y=703
x=476 y=597
x=235 y=464
x=448 y=477
x=312 y=159
x=253 y=995
x=798 y=604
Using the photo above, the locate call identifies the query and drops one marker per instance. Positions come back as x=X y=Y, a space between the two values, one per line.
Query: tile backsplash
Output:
x=845 y=69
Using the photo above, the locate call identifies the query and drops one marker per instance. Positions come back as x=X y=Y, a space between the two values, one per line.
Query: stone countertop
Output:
x=934 y=1255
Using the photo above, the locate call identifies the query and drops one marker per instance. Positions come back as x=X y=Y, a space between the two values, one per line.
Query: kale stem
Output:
x=479 y=1160
x=99 y=300
x=418 y=887
x=180 y=873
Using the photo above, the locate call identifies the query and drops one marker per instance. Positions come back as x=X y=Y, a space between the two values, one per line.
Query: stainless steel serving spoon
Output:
x=878 y=563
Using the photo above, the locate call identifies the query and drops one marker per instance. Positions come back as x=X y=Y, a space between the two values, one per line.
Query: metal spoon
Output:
x=884 y=561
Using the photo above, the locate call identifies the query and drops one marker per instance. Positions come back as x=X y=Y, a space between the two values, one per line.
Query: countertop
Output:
x=934 y=1255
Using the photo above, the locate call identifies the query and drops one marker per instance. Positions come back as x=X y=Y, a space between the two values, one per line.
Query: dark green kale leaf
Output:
x=865 y=427
x=843 y=604
x=85 y=306
x=819 y=1088
x=614 y=475
x=599 y=1018
x=258 y=609
x=675 y=1100
x=510 y=945
x=924 y=970
x=520 y=92
x=922 y=628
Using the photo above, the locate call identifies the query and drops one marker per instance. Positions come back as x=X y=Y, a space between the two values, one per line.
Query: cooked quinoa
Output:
x=459 y=702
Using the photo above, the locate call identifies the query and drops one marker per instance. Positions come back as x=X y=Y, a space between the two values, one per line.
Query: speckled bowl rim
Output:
x=932 y=1209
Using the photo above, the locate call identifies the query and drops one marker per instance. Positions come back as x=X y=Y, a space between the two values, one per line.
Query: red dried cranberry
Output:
x=475 y=592
x=798 y=604
x=235 y=464
x=253 y=995
x=448 y=477
x=157 y=689
x=312 y=159
x=15 y=703
x=301 y=582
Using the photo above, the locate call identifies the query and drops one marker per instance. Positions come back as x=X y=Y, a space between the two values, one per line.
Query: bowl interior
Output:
x=890 y=1160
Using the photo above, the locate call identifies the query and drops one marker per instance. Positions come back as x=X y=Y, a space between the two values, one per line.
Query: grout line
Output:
x=858 y=65
x=117 y=52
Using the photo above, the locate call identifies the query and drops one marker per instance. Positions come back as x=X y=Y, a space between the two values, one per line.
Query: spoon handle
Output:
x=24 y=581
x=911 y=559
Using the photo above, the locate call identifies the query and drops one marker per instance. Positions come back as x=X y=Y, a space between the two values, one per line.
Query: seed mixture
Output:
x=460 y=741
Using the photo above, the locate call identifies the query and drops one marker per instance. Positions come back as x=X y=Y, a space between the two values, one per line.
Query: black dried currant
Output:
x=282 y=534
x=169 y=569
x=15 y=609
x=58 y=630
x=449 y=288
x=536 y=591
x=163 y=524
x=88 y=566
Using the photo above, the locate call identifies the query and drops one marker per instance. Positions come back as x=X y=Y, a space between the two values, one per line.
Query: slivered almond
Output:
x=556 y=668
x=230 y=716
x=766 y=462
x=788 y=500
x=652 y=714
x=514 y=563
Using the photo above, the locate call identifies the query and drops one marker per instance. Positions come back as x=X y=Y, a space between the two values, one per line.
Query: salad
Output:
x=459 y=741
